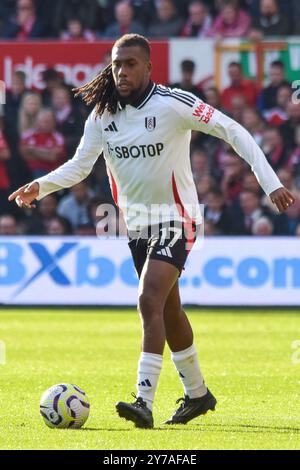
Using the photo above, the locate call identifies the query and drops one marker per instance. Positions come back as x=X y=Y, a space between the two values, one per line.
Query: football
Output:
x=64 y=406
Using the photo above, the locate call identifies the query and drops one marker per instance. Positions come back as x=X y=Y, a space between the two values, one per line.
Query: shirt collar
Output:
x=143 y=99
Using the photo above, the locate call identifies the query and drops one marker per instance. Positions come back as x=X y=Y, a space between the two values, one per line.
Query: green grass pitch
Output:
x=246 y=357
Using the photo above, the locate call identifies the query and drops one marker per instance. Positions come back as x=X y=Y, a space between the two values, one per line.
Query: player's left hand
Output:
x=282 y=198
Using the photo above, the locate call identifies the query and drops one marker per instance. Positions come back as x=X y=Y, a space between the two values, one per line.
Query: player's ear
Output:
x=149 y=66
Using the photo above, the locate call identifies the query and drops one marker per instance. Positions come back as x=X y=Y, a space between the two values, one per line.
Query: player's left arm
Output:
x=246 y=147
x=203 y=117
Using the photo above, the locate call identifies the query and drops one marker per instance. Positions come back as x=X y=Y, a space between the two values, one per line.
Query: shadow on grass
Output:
x=106 y=429
x=235 y=428
x=229 y=428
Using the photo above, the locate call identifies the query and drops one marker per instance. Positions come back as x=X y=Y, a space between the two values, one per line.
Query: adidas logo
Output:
x=145 y=383
x=111 y=128
x=165 y=252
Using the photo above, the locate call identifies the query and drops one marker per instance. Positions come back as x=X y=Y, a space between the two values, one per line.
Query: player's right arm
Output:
x=68 y=174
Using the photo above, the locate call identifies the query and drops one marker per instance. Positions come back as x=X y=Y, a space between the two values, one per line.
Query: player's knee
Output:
x=148 y=305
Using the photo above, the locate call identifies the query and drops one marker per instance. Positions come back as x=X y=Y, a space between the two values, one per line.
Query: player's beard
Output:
x=131 y=98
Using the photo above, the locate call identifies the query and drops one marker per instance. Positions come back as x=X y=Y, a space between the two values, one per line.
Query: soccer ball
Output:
x=64 y=406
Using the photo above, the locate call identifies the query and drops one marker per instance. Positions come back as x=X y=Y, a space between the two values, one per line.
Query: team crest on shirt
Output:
x=150 y=123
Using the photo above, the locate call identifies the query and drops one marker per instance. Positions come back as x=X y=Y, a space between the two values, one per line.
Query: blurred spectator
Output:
x=293 y=162
x=212 y=96
x=46 y=12
x=5 y=183
x=36 y=222
x=102 y=222
x=86 y=230
x=52 y=79
x=17 y=169
x=278 y=115
x=211 y=147
x=231 y=22
x=59 y=226
x=98 y=179
x=74 y=206
x=270 y=21
x=168 y=23
x=199 y=21
x=245 y=217
x=250 y=183
x=187 y=79
x=232 y=167
x=199 y=163
x=295 y=11
x=273 y=147
x=25 y=24
x=263 y=227
x=239 y=86
x=182 y=6
x=7 y=8
x=18 y=86
x=86 y=11
x=267 y=97
x=238 y=104
x=254 y=123
x=30 y=107
x=43 y=148
x=286 y=177
x=203 y=185
x=288 y=129
x=70 y=122
x=144 y=10
x=293 y=217
x=125 y=23
x=219 y=5
x=93 y=213
x=209 y=229
x=76 y=31
x=14 y=97
x=8 y=225
x=216 y=211
x=108 y=9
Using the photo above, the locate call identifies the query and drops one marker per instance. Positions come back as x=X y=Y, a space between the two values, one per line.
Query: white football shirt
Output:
x=146 y=147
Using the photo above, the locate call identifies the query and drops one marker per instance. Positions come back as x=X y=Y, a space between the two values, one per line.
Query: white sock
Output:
x=148 y=374
x=187 y=365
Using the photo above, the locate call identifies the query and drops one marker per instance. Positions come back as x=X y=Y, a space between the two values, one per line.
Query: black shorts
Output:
x=170 y=242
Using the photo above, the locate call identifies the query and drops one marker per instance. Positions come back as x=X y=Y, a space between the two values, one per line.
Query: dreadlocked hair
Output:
x=101 y=91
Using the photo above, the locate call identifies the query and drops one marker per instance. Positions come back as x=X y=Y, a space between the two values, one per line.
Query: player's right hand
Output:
x=25 y=195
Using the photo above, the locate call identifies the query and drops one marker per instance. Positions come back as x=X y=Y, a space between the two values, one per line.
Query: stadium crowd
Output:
x=39 y=131
x=92 y=19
